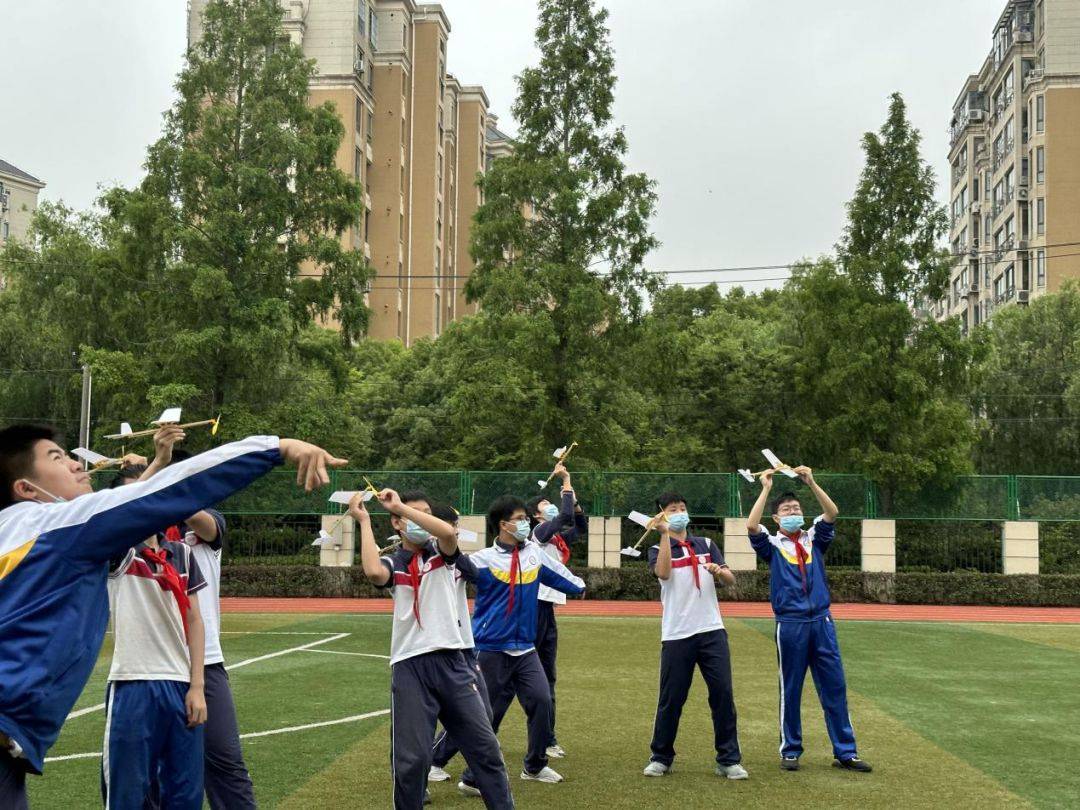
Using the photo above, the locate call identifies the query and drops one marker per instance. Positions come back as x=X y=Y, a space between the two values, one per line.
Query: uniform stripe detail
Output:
x=780 y=668
x=105 y=743
x=9 y=561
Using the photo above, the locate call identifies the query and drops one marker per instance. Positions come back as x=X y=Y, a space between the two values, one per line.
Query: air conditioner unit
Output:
x=1022 y=245
x=976 y=207
x=1025 y=36
x=358 y=66
x=975 y=115
x=1021 y=193
x=1022 y=297
x=973 y=289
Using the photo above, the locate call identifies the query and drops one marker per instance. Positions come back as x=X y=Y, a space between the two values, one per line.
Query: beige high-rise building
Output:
x=18 y=199
x=415 y=138
x=1015 y=164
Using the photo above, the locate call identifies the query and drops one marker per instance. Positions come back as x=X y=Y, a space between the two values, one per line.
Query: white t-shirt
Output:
x=439 y=627
x=149 y=640
x=208 y=556
x=689 y=610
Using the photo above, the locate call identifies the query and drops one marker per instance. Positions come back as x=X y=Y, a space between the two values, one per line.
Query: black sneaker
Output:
x=853 y=764
x=789 y=764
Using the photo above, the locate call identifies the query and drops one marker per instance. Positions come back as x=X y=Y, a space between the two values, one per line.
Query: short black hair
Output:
x=501 y=509
x=783 y=498
x=17 y=456
x=667 y=498
x=531 y=506
x=180 y=454
x=445 y=512
x=127 y=473
x=415 y=495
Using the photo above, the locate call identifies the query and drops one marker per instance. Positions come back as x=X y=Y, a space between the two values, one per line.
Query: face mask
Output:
x=791 y=523
x=415 y=534
x=55 y=499
x=678 y=522
x=521 y=530
x=550 y=512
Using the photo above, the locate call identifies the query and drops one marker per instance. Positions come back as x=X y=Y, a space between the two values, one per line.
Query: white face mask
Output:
x=55 y=499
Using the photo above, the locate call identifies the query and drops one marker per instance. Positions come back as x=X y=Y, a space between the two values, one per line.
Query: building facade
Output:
x=18 y=200
x=415 y=138
x=1015 y=165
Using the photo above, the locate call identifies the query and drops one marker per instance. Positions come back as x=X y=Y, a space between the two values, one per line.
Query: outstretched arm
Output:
x=374 y=569
x=828 y=508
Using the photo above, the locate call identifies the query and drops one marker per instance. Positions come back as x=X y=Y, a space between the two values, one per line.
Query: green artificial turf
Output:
x=949 y=715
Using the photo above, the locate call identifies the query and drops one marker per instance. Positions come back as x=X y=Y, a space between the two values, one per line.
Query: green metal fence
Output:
x=973 y=498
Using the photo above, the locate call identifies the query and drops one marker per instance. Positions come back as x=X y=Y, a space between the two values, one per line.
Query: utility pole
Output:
x=84 y=410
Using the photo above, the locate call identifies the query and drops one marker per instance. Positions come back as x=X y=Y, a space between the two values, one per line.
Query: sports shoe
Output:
x=853 y=764
x=545 y=774
x=555 y=751
x=789 y=764
x=735 y=771
x=427 y=796
x=468 y=790
x=437 y=774
x=655 y=768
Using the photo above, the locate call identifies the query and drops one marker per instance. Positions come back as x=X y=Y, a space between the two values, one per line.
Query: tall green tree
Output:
x=563 y=231
x=883 y=389
x=1029 y=388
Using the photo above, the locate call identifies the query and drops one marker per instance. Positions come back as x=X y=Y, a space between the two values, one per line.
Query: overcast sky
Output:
x=747 y=113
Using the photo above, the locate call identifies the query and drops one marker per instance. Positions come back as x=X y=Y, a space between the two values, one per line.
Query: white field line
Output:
x=237 y=665
x=286 y=730
x=342 y=652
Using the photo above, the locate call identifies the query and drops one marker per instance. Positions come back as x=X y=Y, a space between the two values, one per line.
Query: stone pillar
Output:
x=612 y=541
x=1020 y=547
x=342 y=553
x=738 y=554
x=478 y=524
x=597 y=542
x=879 y=546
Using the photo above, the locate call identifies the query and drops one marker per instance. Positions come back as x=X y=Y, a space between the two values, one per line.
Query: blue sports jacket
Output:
x=791 y=602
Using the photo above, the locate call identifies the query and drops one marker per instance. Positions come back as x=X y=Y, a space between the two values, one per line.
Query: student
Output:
x=56 y=538
x=429 y=678
x=692 y=634
x=805 y=635
x=445 y=748
x=225 y=776
x=508 y=575
x=155 y=699
x=554 y=529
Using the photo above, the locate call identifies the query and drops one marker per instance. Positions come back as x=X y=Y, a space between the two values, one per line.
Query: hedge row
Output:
x=637 y=583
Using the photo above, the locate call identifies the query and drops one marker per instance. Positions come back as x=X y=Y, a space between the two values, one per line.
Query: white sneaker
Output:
x=546 y=774
x=437 y=774
x=655 y=768
x=468 y=790
x=732 y=771
x=555 y=751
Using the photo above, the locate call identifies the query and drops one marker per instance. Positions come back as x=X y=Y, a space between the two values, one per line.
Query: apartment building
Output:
x=415 y=138
x=18 y=199
x=1015 y=165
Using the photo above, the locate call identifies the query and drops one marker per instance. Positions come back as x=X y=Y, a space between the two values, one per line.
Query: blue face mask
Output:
x=415 y=534
x=791 y=523
x=550 y=512
x=678 y=521
x=521 y=530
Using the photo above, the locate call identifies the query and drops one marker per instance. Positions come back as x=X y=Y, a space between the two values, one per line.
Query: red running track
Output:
x=863 y=612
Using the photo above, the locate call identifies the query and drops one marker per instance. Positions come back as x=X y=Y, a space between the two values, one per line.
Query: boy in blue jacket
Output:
x=805 y=634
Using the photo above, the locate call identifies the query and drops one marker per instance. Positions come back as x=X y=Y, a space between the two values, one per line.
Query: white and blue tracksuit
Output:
x=54 y=566
x=507 y=581
x=805 y=634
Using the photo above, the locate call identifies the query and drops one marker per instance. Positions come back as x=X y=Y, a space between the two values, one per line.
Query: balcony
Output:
x=1032 y=77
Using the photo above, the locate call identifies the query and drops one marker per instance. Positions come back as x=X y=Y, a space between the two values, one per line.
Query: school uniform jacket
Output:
x=794 y=600
x=54 y=566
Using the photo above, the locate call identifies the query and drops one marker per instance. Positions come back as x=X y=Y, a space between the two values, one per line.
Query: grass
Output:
x=949 y=715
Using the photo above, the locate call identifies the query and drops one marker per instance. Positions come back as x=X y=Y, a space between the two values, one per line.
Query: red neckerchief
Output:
x=564 y=550
x=173 y=535
x=171 y=579
x=800 y=555
x=693 y=556
x=414 y=580
x=515 y=575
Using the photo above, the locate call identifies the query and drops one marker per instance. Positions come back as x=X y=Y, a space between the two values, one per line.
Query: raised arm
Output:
x=374 y=569
x=828 y=508
x=549 y=528
x=445 y=534
x=558 y=576
x=759 y=538
x=662 y=568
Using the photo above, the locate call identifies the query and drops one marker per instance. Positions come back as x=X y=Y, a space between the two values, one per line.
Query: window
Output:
x=1040 y=215
x=402 y=178
x=1040 y=165
x=438 y=264
x=6 y=230
x=1010 y=278
x=400 y=273
x=1040 y=268
x=373 y=28
x=438 y=313
x=1040 y=113
x=358 y=161
x=404 y=83
x=359 y=122
x=370 y=125
x=440 y=169
x=361 y=17
x=401 y=228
